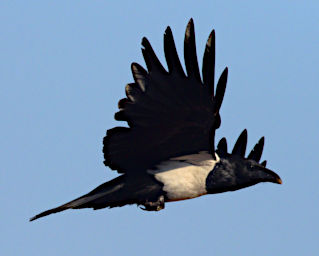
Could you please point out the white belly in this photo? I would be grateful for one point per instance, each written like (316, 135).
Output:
(185, 177)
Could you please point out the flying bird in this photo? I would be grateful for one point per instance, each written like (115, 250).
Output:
(167, 153)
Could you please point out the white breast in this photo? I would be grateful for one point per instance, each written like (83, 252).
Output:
(185, 177)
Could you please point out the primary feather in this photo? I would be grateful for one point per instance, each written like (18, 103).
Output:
(169, 114)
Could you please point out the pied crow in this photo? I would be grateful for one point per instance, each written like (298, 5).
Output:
(167, 152)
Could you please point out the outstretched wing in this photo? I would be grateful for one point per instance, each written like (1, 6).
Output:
(169, 113)
(240, 148)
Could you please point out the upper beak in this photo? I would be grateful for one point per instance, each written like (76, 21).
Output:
(275, 178)
(279, 181)
(272, 176)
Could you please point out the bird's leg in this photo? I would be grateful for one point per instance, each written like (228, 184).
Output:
(154, 205)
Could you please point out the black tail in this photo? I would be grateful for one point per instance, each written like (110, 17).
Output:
(109, 194)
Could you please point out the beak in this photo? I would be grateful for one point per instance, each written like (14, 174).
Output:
(279, 181)
(275, 177)
(272, 176)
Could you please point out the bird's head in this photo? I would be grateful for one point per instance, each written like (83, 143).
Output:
(234, 171)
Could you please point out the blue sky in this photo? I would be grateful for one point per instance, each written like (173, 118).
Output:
(63, 68)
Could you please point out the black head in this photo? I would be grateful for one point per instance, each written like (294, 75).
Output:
(234, 171)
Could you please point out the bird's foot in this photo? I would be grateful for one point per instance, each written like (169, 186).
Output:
(154, 206)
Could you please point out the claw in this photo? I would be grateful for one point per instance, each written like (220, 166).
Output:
(154, 206)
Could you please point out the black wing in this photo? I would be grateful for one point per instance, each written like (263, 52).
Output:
(240, 148)
(169, 114)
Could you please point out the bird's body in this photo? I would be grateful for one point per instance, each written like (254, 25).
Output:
(184, 177)
(167, 153)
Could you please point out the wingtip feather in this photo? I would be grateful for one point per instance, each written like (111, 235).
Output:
(222, 145)
(257, 151)
(241, 144)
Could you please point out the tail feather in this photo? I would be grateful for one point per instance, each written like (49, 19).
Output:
(54, 210)
(103, 196)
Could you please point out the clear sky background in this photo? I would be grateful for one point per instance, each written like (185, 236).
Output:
(63, 68)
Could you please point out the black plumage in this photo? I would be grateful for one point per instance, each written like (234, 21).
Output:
(167, 152)
(167, 112)
(235, 171)
(240, 148)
